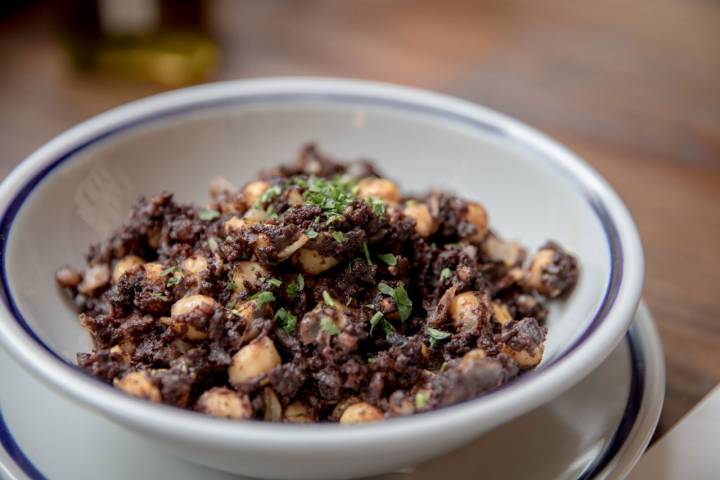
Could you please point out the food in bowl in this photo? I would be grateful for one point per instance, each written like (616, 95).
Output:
(316, 293)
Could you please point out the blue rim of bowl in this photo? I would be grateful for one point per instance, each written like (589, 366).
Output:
(272, 99)
(636, 397)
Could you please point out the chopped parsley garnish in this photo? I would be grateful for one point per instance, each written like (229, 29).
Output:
(311, 234)
(268, 195)
(161, 296)
(388, 258)
(329, 326)
(209, 215)
(436, 335)
(296, 287)
(231, 285)
(421, 399)
(176, 275)
(329, 301)
(367, 253)
(262, 298)
(375, 320)
(286, 320)
(231, 304)
(271, 212)
(275, 282)
(170, 270)
(339, 237)
(333, 196)
(445, 273)
(377, 205)
(402, 301)
(372, 359)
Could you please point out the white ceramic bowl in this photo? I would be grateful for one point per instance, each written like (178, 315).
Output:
(72, 191)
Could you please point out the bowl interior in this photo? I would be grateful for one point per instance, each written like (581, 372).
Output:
(89, 193)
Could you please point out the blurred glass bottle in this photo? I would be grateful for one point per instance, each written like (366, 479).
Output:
(163, 41)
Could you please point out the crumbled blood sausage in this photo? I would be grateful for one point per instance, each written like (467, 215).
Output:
(374, 324)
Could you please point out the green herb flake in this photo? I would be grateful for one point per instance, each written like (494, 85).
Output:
(294, 288)
(377, 205)
(375, 320)
(421, 399)
(402, 301)
(388, 327)
(333, 196)
(209, 215)
(161, 296)
(329, 301)
(372, 360)
(262, 298)
(231, 285)
(170, 270)
(367, 254)
(339, 237)
(268, 195)
(386, 289)
(174, 280)
(286, 320)
(329, 326)
(311, 234)
(275, 282)
(388, 258)
(436, 335)
(445, 273)
(231, 304)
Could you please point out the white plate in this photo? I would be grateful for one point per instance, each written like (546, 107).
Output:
(598, 429)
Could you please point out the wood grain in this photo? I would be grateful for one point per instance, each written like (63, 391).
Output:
(633, 87)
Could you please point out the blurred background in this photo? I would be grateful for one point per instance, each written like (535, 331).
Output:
(633, 87)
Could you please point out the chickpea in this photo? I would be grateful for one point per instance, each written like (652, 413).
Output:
(195, 265)
(139, 385)
(154, 272)
(526, 343)
(298, 412)
(96, 277)
(234, 225)
(253, 360)
(477, 216)
(120, 352)
(250, 273)
(255, 215)
(510, 253)
(475, 354)
(221, 185)
(553, 271)
(361, 412)
(225, 403)
(246, 311)
(253, 191)
(201, 304)
(469, 309)
(312, 262)
(293, 247)
(272, 406)
(542, 260)
(501, 314)
(525, 359)
(126, 264)
(68, 277)
(294, 198)
(381, 188)
(425, 224)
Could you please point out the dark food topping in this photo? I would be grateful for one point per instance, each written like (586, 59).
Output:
(316, 293)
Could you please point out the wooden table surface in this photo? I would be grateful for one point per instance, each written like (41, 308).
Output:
(633, 87)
